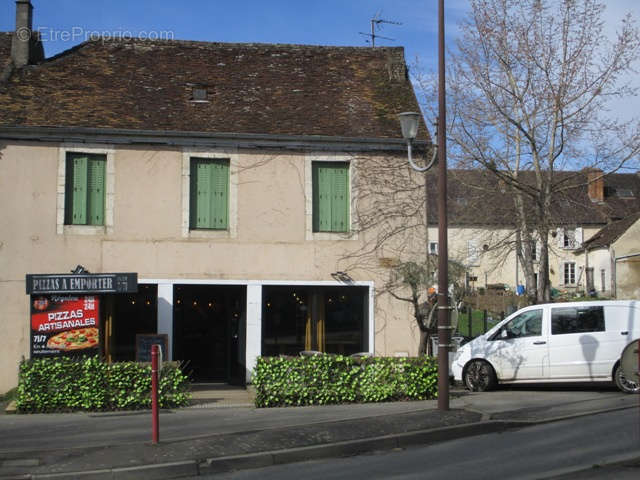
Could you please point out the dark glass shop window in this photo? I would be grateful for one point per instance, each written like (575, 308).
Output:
(285, 321)
(325, 319)
(133, 313)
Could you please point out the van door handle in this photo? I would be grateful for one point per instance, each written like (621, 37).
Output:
(624, 333)
(539, 342)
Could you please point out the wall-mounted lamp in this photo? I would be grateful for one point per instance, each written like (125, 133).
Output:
(409, 122)
(342, 277)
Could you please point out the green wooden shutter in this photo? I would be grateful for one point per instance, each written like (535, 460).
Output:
(315, 193)
(193, 194)
(209, 195)
(340, 198)
(219, 170)
(330, 183)
(95, 190)
(322, 197)
(203, 185)
(79, 165)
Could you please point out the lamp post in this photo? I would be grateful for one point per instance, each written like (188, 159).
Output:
(409, 125)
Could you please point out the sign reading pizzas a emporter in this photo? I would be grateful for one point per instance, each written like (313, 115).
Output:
(95, 283)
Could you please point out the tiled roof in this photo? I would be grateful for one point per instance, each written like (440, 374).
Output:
(250, 88)
(610, 233)
(476, 197)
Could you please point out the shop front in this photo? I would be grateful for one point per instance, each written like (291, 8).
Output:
(217, 329)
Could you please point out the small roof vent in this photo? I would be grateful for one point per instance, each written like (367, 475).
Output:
(199, 95)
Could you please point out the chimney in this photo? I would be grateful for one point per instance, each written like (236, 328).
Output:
(26, 46)
(595, 187)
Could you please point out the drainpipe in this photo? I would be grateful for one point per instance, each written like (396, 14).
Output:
(614, 293)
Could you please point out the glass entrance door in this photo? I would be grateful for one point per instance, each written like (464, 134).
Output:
(208, 329)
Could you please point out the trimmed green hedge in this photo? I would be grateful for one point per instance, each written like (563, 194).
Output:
(87, 383)
(331, 379)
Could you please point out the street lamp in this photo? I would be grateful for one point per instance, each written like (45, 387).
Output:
(409, 124)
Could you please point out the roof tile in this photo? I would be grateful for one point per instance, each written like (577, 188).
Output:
(251, 88)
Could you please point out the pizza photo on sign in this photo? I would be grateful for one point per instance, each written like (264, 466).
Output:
(77, 339)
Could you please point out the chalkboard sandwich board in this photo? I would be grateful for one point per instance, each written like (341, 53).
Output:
(144, 342)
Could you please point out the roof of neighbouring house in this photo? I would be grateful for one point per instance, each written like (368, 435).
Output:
(477, 197)
(214, 87)
(610, 233)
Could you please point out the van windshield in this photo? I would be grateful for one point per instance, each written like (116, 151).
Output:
(527, 324)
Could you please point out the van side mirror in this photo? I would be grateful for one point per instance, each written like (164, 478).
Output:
(504, 333)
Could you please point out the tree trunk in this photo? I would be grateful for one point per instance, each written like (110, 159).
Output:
(544, 284)
(425, 344)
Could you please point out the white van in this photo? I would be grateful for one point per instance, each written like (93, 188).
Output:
(555, 342)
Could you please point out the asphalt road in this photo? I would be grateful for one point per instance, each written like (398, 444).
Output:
(534, 452)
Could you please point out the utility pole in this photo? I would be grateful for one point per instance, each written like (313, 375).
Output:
(444, 324)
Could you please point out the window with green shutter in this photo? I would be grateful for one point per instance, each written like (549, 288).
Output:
(330, 196)
(85, 189)
(209, 194)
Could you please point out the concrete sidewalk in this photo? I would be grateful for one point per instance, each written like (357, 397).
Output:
(201, 440)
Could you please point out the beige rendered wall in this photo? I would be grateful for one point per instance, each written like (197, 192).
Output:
(270, 241)
(628, 269)
(601, 260)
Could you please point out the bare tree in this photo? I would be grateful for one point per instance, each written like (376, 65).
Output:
(527, 95)
(417, 279)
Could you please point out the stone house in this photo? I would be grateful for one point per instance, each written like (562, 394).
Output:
(224, 175)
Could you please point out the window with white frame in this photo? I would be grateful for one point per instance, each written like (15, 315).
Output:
(85, 193)
(209, 193)
(569, 238)
(331, 199)
(569, 273)
(433, 248)
(329, 196)
(85, 189)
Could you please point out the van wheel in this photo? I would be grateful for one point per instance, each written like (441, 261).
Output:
(627, 386)
(479, 376)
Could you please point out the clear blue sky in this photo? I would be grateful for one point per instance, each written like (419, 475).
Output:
(329, 22)
(326, 22)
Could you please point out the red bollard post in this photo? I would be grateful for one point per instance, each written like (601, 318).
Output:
(154, 394)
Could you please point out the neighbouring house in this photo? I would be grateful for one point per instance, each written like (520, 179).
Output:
(614, 254)
(594, 212)
(208, 193)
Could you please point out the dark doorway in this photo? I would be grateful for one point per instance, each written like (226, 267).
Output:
(126, 316)
(208, 331)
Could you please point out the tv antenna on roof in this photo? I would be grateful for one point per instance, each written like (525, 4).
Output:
(376, 22)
